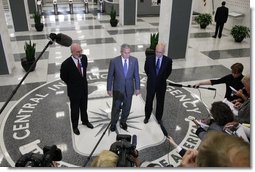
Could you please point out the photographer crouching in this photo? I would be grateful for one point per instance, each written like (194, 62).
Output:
(50, 155)
(122, 153)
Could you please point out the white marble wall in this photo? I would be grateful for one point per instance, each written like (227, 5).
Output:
(121, 12)
(164, 22)
(5, 39)
(27, 14)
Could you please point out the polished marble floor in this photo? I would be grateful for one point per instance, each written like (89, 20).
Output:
(38, 114)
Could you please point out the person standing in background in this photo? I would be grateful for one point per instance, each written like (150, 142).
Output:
(122, 81)
(220, 18)
(73, 73)
(157, 68)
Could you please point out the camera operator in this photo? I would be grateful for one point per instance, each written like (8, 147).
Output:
(119, 154)
(124, 149)
(109, 159)
(105, 159)
(51, 154)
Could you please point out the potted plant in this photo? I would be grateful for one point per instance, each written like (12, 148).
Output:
(204, 20)
(153, 43)
(37, 19)
(113, 19)
(27, 61)
(240, 32)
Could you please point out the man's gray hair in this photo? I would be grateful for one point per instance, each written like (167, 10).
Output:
(124, 46)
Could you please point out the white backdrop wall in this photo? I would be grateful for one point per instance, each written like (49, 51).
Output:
(238, 6)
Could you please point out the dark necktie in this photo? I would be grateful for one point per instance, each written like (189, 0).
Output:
(79, 66)
(125, 68)
(157, 66)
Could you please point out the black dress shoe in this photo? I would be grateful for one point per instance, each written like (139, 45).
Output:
(214, 36)
(145, 120)
(88, 124)
(113, 127)
(123, 125)
(76, 131)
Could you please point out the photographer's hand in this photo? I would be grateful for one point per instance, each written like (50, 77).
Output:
(189, 159)
(237, 105)
(171, 141)
(136, 161)
(54, 164)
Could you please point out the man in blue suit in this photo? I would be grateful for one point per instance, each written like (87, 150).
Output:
(122, 82)
(157, 69)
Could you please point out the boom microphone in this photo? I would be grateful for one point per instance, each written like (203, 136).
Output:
(61, 39)
(164, 130)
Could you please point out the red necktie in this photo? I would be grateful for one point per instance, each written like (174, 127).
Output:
(79, 66)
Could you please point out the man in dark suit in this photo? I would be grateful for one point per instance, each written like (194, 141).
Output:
(122, 82)
(220, 18)
(73, 73)
(157, 68)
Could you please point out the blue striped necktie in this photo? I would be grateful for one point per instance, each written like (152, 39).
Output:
(125, 68)
(157, 66)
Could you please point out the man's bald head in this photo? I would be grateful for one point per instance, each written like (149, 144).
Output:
(76, 50)
(160, 49)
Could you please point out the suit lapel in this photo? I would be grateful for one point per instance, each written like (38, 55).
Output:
(120, 65)
(75, 67)
(130, 63)
(84, 65)
(72, 63)
(154, 64)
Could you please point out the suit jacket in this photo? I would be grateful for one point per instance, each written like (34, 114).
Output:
(77, 84)
(153, 80)
(116, 80)
(221, 15)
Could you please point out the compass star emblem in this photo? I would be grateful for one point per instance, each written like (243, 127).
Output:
(103, 118)
(99, 113)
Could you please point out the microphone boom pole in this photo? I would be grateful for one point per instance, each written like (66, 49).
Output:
(24, 77)
(189, 86)
(61, 39)
(88, 159)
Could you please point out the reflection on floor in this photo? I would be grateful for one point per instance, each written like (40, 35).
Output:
(38, 114)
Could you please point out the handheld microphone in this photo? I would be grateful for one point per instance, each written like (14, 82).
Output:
(209, 88)
(175, 85)
(189, 86)
(164, 130)
(61, 39)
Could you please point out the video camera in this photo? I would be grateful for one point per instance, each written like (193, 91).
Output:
(124, 149)
(50, 153)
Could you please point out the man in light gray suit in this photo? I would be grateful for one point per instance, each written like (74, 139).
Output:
(122, 82)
